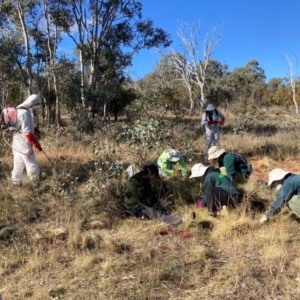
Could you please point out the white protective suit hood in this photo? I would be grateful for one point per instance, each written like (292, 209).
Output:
(32, 101)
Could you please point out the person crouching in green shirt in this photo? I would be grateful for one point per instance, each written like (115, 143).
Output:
(236, 168)
(219, 191)
(167, 161)
(140, 199)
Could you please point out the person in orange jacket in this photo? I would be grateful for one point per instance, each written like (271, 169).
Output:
(24, 139)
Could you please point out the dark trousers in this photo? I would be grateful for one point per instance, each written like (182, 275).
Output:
(151, 213)
(217, 197)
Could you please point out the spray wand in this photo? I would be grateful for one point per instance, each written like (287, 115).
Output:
(47, 157)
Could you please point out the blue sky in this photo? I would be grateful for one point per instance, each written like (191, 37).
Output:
(265, 30)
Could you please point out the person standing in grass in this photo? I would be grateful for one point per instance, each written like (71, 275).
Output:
(140, 199)
(212, 118)
(219, 191)
(168, 160)
(24, 139)
(235, 166)
(288, 185)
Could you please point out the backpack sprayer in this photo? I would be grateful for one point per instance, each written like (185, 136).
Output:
(10, 116)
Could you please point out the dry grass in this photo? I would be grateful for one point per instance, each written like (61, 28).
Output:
(68, 239)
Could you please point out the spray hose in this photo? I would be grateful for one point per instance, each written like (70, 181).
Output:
(5, 140)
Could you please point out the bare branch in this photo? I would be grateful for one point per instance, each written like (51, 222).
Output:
(291, 67)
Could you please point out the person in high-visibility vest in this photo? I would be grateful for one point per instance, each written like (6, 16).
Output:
(167, 161)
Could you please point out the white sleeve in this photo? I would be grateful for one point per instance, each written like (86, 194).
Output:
(204, 119)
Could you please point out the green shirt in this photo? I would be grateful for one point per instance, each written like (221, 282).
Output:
(232, 164)
(138, 191)
(213, 177)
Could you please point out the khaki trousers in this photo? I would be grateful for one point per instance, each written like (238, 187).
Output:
(294, 205)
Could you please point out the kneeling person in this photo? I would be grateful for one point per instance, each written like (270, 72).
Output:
(218, 189)
(140, 199)
(288, 185)
(167, 161)
(236, 167)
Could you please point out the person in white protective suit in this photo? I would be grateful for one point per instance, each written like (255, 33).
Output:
(23, 141)
(212, 118)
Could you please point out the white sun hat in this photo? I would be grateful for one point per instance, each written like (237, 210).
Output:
(277, 174)
(215, 152)
(174, 155)
(210, 107)
(198, 170)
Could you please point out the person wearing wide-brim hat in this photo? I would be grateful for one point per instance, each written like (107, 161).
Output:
(288, 185)
(232, 165)
(167, 161)
(212, 118)
(218, 189)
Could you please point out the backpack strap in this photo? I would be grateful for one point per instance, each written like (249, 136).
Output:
(22, 107)
(216, 112)
(241, 158)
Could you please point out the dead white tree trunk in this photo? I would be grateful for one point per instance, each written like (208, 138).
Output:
(198, 60)
(181, 68)
(291, 67)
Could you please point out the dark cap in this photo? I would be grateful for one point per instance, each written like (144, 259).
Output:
(153, 169)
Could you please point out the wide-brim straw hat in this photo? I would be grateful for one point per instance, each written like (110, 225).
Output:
(215, 152)
(198, 170)
(277, 174)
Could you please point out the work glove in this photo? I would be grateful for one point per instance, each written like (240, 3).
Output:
(263, 219)
(212, 122)
(33, 140)
(221, 122)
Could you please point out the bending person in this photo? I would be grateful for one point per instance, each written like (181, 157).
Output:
(212, 118)
(168, 160)
(288, 185)
(23, 140)
(140, 199)
(219, 191)
(236, 167)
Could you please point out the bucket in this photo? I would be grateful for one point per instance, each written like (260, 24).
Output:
(10, 115)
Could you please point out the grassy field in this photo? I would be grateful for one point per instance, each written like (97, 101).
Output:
(68, 238)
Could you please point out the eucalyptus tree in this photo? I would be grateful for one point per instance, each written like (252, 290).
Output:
(217, 89)
(273, 85)
(9, 74)
(282, 96)
(183, 68)
(114, 25)
(18, 18)
(291, 72)
(248, 83)
(197, 58)
(163, 83)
